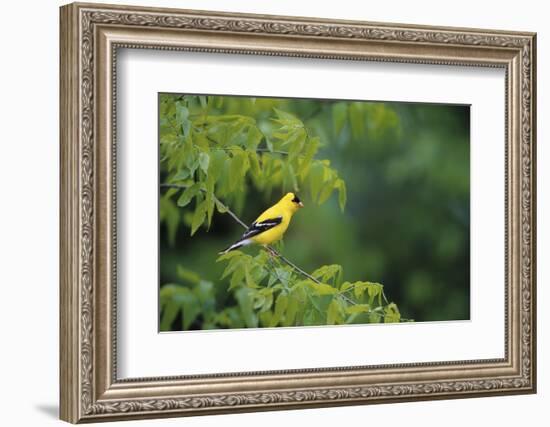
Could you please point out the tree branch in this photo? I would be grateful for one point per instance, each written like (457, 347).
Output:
(303, 273)
(272, 249)
(258, 150)
(229, 211)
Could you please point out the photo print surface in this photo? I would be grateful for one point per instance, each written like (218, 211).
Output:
(283, 212)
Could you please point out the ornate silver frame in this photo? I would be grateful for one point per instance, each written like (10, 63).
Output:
(90, 36)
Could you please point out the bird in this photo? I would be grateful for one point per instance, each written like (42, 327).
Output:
(271, 225)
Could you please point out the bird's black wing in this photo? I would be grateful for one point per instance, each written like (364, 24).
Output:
(259, 227)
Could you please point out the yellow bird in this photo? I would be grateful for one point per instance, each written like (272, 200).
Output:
(271, 224)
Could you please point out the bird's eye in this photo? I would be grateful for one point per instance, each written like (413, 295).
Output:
(296, 199)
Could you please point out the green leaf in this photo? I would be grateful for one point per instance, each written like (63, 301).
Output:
(345, 286)
(310, 318)
(286, 117)
(316, 176)
(258, 301)
(201, 141)
(230, 318)
(199, 216)
(245, 304)
(284, 276)
(248, 278)
(188, 195)
(220, 206)
(166, 293)
(254, 164)
(170, 214)
(325, 193)
(228, 255)
(281, 304)
(216, 164)
(359, 289)
(175, 298)
(182, 118)
(178, 154)
(168, 315)
(289, 178)
(296, 143)
(321, 288)
(312, 145)
(375, 290)
(291, 311)
(233, 265)
(264, 299)
(238, 276)
(391, 314)
(218, 101)
(272, 279)
(171, 191)
(181, 175)
(342, 193)
(253, 138)
(209, 199)
(265, 318)
(187, 275)
(236, 169)
(190, 307)
(204, 291)
(203, 102)
(358, 308)
(334, 313)
(204, 160)
(269, 144)
(328, 272)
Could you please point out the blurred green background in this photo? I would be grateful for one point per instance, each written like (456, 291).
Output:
(407, 220)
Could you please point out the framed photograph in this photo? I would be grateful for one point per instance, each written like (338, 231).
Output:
(266, 212)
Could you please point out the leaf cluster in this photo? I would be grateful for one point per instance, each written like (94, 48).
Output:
(271, 293)
(268, 293)
(209, 154)
(206, 154)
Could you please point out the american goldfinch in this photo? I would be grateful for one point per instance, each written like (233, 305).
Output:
(271, 224)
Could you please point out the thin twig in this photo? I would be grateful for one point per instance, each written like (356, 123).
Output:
(306, 275)
(258, 150)
(273, 270)
(269, 248)
(302, 272)
(233, 215)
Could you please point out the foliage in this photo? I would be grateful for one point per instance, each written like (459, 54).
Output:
(282, 297)
(270, 293)
(212, 158)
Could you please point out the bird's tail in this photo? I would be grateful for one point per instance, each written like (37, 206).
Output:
(235, 245)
